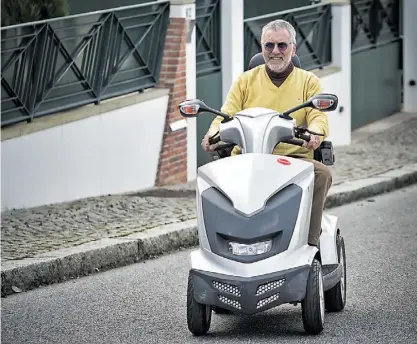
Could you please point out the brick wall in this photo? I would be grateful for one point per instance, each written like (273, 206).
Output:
(173, 157)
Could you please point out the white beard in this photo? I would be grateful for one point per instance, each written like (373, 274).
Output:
(277, 65)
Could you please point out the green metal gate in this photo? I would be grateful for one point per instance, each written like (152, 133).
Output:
(376, 60)
(209, 71)
(255, 8)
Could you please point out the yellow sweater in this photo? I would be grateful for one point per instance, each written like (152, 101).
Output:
(254, 89)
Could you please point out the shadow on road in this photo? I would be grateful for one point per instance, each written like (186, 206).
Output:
(274, 324)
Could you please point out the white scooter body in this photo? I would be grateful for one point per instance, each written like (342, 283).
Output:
(249, 181)
(250, 198)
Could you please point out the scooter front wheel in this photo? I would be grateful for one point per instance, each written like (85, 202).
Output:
(312, 305)
(198, 315)
(335, 298)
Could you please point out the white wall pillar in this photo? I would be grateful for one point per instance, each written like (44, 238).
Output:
(410, 55)
(342, 55)
(339, 82)
(186, 9)
(341, 33)
(191, 93)
(232, 42)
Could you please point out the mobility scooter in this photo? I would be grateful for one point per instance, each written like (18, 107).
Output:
(253, 215)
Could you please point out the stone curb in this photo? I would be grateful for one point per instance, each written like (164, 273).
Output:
(83, 260)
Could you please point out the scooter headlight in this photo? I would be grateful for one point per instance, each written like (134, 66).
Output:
(250, 249)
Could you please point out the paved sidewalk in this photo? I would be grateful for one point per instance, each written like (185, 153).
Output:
(25, 233)
(375, 149)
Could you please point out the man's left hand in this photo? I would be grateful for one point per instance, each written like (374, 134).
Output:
(314, 142)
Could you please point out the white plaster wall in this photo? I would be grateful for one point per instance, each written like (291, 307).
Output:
(339, 122)
(410, 55)
(110, 153)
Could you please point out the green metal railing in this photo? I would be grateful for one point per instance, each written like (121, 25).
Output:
(58, 64)
(208, 40)
(374, 23)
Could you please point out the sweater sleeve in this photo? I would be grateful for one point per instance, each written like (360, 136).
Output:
(234, 103)
(316, 120)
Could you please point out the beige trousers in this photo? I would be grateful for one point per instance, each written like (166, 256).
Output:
(322, 184)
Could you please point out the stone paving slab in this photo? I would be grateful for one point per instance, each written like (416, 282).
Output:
(375, 154)
(30, 232)
(26, 233)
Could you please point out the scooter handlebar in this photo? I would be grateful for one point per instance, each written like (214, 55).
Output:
(294, 142)
(224, 146)
(299, 133)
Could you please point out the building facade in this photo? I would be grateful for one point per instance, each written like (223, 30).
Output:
(90, 101)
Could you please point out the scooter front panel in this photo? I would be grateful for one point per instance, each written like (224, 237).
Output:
(276, 222)
(250, 295)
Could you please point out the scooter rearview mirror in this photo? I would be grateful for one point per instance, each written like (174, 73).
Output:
(192, 108)
(324, 102)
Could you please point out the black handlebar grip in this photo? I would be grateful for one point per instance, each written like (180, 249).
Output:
(214, 140)
(225, 146)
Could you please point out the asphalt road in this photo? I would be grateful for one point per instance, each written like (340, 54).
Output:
(145, 303)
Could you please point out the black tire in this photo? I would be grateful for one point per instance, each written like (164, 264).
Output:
(312, 306)
(335, 298)
(198, 315)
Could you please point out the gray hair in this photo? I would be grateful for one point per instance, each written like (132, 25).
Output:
(280, 24)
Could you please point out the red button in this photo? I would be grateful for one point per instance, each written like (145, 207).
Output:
(284, 161)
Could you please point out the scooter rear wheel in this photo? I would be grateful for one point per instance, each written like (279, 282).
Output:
(198, 315)
(312, 305)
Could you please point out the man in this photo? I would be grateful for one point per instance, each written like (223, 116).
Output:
(279, 85)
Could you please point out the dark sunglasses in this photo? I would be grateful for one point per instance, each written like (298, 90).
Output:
(282, 46)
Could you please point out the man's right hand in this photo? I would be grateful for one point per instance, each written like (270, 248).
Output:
(206, 145)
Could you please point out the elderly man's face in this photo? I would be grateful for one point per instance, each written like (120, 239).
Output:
(277, 49)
